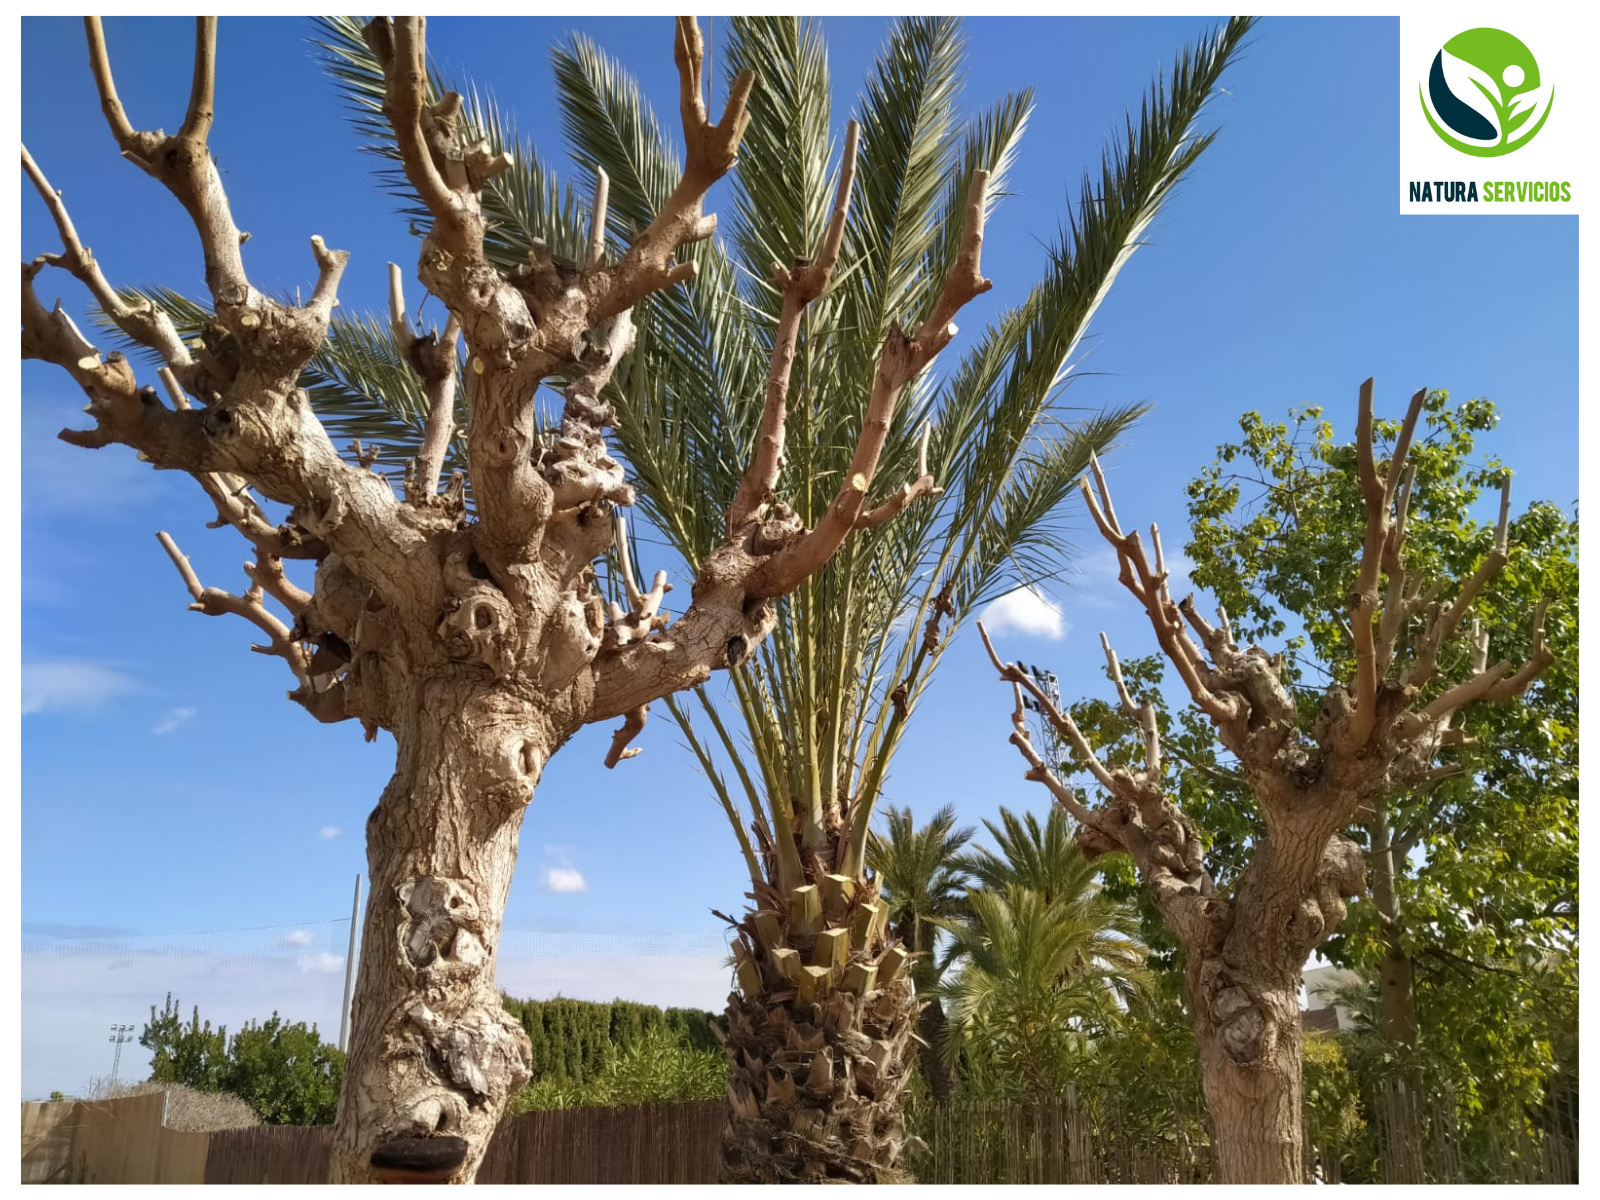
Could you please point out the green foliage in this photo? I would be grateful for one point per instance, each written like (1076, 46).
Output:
(1146, 1070)
(1487, 857)
(1042, 961)
(575, 1042)
(1037, 985)
(192, 1054)
(1045, 860)
(922, 879)
(656, 1068)
(586, 1053)
(1335, 1121)
(284, 1071)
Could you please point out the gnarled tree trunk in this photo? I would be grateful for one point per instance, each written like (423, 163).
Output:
(479, 639)
(1247, 1024)
(1373, 734)
(434, 1054)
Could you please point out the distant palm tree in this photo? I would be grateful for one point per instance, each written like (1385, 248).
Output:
(923, 882)
(1046, 959)
(1045, 860)
(1036, 981)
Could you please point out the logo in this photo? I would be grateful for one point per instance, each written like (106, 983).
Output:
(1484, 96)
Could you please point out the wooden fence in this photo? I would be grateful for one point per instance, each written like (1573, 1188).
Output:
(108, 1141)
(1395, 1138)
(648, 1143)
(1057, 1141)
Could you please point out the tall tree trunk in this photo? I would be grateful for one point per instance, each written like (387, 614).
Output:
(1397, 997)
(1242, 981)
(942, 1078)
(434, 1057)
(1397, 1012)
(819, 1044)
(1248, 1028)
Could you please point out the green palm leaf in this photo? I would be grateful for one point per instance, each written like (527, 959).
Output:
(847, 662)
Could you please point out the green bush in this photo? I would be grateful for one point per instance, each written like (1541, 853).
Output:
(285, 1072)
(587, 1053)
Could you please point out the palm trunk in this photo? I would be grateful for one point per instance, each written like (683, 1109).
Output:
(931, 1028)
(819, 1043)
(434, 1058)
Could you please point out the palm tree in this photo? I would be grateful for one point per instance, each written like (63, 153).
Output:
(1048, 860)
(820, 1027)
(1049, 863)
(922, 882)
(1039, 978)
(1047, 961)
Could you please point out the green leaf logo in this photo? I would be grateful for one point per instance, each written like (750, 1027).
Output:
(1484, 95)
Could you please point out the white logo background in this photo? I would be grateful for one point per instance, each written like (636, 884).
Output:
(1563, 150)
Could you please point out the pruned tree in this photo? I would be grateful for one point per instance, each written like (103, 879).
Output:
(477, 637)
(1472, 875)
(1313, 770)
(984, 451)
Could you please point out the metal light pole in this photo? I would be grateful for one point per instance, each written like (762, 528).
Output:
(350, 969)
(120, 1036)
(1051, 686)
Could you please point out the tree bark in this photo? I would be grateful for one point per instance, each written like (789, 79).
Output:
(1248, 1028)
(1397, 1011)
(434, 1055)
(1397, 998)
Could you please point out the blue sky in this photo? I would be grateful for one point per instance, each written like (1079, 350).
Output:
(168, 787)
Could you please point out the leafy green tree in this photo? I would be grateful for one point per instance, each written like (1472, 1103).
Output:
(1473, 872)
(922, 882)
(191, 1054)
(284, 1071)
(752, 356)
(1254, 869)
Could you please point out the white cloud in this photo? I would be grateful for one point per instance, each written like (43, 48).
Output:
(175, 718)
(299, 937)
(329, 831)
(1026, 611)
(564, 879)
(320, 963)
(71, 685)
